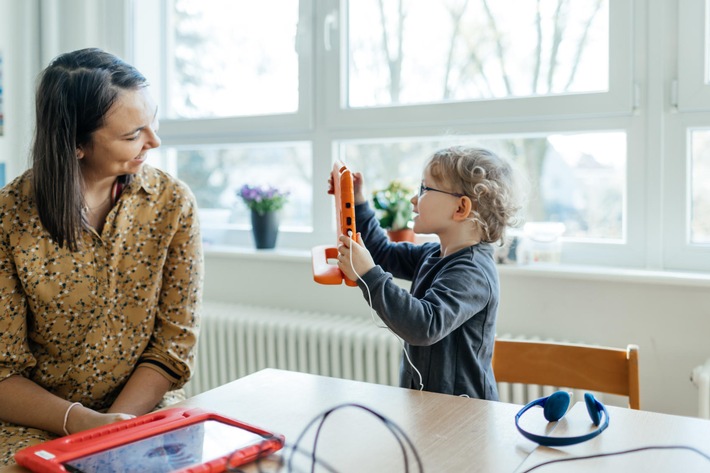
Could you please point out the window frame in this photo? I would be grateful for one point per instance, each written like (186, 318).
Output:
(656, 184)
(620, 100)
(230, 129)
(693, 92)
(679, 252)
(614, 109)
(690, 110)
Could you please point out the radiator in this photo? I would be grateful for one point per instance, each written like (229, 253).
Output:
(237, 340)
(701, 378)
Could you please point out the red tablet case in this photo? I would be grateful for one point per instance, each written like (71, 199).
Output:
(323, 271)
(51, 456)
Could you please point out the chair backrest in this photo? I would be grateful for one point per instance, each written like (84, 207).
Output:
(569, 365)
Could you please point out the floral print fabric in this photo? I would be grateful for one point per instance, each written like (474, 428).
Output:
(79, 323)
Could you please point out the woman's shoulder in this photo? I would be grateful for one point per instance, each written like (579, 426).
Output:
(17, 203)
(17, 191)
(157, 181)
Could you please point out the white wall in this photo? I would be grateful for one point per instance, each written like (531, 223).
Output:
(32, 32)
(19, 45)
(67, 25)
(667, 315)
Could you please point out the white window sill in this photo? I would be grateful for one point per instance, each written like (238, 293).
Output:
(609, 274)
(538, 270)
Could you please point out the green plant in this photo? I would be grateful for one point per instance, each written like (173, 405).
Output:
(393, 206)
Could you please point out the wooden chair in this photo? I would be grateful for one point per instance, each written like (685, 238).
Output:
(568, 365)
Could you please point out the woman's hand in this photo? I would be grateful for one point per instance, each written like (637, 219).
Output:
(353, 258)
(24, 402)
(82, 418)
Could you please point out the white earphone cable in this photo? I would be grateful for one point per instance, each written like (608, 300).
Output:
(374, 319)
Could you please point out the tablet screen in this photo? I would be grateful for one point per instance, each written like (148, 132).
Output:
(163, 453)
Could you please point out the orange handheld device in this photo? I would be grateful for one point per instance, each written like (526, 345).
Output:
(323, 271)
(169, 441)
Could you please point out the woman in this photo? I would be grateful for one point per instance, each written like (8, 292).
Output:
(100, 261)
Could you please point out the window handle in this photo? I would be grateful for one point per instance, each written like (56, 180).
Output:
(330, 23)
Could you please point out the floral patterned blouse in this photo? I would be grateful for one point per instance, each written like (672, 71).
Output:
(79, 323)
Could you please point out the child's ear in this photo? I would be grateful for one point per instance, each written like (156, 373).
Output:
(464, 208)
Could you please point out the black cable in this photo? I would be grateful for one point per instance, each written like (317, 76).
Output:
(379, 416)
(315, 439)
(621, 452)
(391, 426)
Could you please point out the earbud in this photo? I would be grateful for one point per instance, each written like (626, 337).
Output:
(554, 408)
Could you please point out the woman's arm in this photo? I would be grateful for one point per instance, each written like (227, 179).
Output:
(26, 403)
(143, 391)
(171, 350)
(23, 401)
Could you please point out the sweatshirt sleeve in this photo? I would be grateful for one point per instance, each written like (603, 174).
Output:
(399, 259)
(458, 291)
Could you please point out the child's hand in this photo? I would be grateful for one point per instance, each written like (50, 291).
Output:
(331, 186)
(357, 187)
(353, 257)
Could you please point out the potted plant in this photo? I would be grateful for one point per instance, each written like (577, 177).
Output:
(394, 210)
(264, 203)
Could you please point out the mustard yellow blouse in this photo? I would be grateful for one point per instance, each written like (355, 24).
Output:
(79, 323)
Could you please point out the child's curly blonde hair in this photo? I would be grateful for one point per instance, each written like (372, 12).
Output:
(488, 180)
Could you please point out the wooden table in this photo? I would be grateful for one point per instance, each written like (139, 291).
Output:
(451, 434)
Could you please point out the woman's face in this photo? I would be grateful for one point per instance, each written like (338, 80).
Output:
(121, 145)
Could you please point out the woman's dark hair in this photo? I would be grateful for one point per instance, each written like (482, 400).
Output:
(74, 94)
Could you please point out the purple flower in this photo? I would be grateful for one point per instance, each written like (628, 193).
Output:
(263, 199)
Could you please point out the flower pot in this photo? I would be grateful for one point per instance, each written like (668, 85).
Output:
(405, 234)
(265, 228)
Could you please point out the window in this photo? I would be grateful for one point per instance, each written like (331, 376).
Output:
(406, 52)
(215, 174)
(687, 157)
(225, 69)
(561, 88)
(227, 63)
(231, 78)
(414, 63)
(699, 197)
(576, 179)
(694, 64)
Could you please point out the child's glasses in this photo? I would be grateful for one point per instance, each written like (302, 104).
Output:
(423, 189)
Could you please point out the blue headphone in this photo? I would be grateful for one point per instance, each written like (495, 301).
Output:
(554, 408)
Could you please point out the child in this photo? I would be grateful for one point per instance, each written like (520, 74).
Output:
(448, 319)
